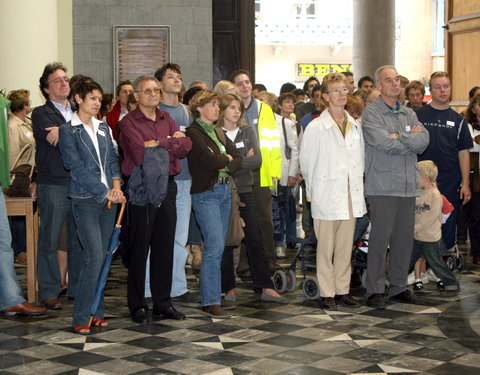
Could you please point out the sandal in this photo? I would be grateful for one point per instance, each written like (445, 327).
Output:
(99, 322)
(63, 291)
(82, 330)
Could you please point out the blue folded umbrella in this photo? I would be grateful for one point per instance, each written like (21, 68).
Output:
(102, 279)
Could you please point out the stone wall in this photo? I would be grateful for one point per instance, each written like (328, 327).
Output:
(191, 34)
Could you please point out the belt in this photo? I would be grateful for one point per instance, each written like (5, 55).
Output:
(223, 180)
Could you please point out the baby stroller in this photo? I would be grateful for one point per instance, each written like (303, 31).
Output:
(286, 281)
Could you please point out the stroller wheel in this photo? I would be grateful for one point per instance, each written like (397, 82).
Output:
(451, 263)
(291, 281)
(280, 281)
(460, 262)
(310, 288)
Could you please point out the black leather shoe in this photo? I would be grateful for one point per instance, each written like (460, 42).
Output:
(347, 301)
(377, 301)
(406, 297)
(329, 303)
(188, 297)
(140, 316)
(169, 313)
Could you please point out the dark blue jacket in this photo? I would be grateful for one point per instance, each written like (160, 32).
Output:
(80, 158)
(148, 182)
(48, 160)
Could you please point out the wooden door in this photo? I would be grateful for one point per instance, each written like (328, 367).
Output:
(233, 37)
(463, 48)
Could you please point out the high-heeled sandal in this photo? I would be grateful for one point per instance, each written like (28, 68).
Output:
(99, 322)
(82, 330)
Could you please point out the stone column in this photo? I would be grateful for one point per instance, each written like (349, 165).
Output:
(373, 35)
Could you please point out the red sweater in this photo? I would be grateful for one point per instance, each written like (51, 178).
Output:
(136, 128)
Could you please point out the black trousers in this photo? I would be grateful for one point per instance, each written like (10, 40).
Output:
(257, 259)
(151, 228)
(263, 204)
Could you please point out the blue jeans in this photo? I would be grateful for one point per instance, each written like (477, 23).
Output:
(55, 207)
(94, 224)
(431, 252)
(180, 253)
(194, 234)
(212, 210)
(18, 230)
(10, 292)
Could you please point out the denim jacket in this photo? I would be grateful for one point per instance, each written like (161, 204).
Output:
(80, 158)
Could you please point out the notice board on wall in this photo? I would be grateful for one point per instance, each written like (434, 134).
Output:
(139, 50)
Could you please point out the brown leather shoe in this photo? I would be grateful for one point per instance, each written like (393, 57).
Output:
(52, 303)
(24, 308)
(215, 311)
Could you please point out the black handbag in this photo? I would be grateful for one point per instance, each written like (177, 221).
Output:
(21, 176)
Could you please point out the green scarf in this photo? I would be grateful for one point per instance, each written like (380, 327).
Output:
(210, 129)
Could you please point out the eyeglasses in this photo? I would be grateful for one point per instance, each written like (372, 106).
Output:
(438, 87)
(150, 91)
(338, 91)
(60, 80)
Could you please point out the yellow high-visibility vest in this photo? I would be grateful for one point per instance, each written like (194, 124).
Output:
(269, 139)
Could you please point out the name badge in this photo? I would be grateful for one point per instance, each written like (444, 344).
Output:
(28, 134)
(255, 121)
(239, 145)
(407, 128)
(100, 132)
(450, 123)
(183, 128)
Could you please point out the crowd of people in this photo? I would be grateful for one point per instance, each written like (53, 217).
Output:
(180, 158)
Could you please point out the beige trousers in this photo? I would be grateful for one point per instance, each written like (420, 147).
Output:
(334, 253)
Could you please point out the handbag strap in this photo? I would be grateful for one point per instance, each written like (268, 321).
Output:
(28, 147)
(187, 113)
(288, 150)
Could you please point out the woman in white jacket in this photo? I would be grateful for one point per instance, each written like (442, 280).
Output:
(332, 164)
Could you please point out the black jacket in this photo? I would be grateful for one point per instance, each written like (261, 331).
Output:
(50, 169)
(205, 159)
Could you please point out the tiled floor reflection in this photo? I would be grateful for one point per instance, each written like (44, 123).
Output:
(441, 337)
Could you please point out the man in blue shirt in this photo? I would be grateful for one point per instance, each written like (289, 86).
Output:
(450, 141)
(170, 78)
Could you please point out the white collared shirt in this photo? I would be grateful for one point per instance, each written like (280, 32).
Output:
(92, 133)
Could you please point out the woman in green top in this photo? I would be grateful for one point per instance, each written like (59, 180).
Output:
(209, 163)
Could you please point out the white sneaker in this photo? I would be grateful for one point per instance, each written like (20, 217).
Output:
(431, 276)
(280, 252)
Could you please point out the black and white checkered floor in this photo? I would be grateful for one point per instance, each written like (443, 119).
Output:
(441, 337)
